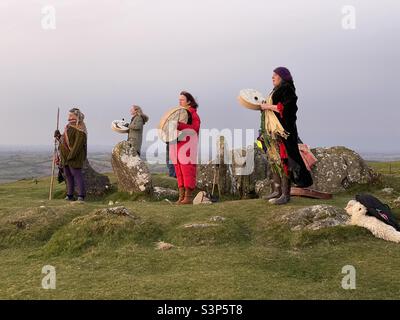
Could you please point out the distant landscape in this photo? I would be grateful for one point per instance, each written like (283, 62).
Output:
(17, 163)
(32, 164)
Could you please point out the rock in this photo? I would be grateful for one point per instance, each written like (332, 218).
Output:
(201, 198)
(217, 219)
(263, 187)
(397, 202)
(339, 168)
(110, 203)
(235, 178)
(162, 193)
(119, 211)
(107, 220)
(132, 172)
(164, 246)
(199, 225)
(245, 185)
(223, 178)
(315, 217)
(96, 184)
(388, 191)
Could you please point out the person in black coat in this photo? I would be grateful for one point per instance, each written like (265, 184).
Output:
(284, 104)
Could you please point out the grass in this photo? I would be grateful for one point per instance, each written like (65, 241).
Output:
(248, 256)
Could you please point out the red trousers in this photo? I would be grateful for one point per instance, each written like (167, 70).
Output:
(186, 175)
(184, 160)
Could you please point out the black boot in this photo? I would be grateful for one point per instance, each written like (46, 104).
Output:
(285, 197)
(275, 187)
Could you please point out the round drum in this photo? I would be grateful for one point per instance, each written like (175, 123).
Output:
(168, 126)
(251, 99)
(120, 126)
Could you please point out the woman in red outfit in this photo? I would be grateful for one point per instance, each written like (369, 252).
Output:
(183, 153)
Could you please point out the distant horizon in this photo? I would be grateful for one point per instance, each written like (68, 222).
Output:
(103, 148)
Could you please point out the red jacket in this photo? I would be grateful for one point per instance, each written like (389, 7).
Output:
(190, 139)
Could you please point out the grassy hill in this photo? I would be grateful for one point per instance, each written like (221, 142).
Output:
(248, 256)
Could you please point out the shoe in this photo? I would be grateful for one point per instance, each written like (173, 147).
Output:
(275, 187)
(285, 197)
(69, 198)
(81, 199)
(181, 195)
(188, 196)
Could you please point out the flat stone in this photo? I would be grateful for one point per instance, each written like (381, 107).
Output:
(162, 193)
(199, 225)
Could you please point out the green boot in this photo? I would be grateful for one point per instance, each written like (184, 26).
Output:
(285, 197)
(275, 187)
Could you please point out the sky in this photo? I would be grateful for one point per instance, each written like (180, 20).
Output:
(105, 55)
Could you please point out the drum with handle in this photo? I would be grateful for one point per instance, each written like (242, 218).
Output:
(168, 126)
(120, 126)
(251, 99)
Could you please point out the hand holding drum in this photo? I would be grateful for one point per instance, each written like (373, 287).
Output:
(168, 126)
(120, 126)
(251, 99)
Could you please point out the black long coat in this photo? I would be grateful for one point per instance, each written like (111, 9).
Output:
(286, 94)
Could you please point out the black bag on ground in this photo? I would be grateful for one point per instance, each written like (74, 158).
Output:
(378, 209)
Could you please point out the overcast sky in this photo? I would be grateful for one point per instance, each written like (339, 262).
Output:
(105, 55)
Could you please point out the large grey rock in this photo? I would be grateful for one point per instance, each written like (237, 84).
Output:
(315, 217)
(96, 184)
(339, 168)
(132, 173)
(336, 170)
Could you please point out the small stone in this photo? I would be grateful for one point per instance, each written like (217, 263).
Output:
(110, 203)
(201, 198)
(164, 245)
(217, 219)
(388, 190)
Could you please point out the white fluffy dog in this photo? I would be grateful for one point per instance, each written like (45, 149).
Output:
(378, 228)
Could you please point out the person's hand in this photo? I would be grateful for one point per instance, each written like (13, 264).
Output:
(57, 134)
(265, 106)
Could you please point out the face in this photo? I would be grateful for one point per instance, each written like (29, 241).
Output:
(72, 118)
(276, 79)
(183, 101)
(133, 111)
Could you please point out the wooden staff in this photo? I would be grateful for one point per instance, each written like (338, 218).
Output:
(54, 158)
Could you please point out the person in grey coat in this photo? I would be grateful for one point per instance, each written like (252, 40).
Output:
(135, 134)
